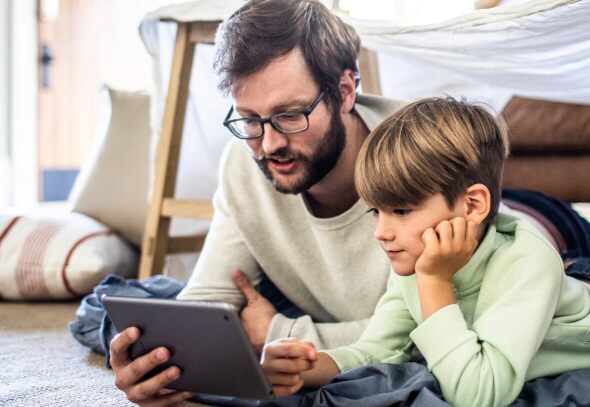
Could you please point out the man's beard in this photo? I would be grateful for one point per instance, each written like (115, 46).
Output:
(316, 166)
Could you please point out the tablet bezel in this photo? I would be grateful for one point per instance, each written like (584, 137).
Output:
(207, 334)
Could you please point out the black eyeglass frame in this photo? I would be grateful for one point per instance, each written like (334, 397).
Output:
(263, 120)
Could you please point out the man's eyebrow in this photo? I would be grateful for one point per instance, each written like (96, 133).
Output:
(293, 104)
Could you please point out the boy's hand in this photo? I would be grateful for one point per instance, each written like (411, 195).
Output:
(448, 247)
(284, 360)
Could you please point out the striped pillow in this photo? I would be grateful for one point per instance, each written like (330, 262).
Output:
(58, 257)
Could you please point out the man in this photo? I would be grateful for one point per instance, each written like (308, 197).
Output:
(290, 66)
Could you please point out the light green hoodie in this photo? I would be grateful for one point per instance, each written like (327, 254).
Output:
(517, 317)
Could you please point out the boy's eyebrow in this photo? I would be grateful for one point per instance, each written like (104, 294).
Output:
(293, 104)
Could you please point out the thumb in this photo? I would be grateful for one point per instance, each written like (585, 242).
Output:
(242, 283)
(429, 238)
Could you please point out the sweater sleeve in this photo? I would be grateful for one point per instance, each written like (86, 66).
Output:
(386, 338)
(485, 364)
(223, 252)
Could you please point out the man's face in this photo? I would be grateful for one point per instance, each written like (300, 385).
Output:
(293, 163)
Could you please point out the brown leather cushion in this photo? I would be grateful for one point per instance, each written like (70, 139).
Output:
(565, 177)
(540, 126)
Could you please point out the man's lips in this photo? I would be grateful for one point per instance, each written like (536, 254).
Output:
(282, 164)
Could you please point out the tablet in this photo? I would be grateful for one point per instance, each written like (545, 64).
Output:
(206, 341)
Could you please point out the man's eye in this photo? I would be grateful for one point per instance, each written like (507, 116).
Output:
(402, 212)
(292, 116)
(373, 211)
(249, 121)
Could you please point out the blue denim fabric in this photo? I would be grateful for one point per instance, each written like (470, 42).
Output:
(94, 329)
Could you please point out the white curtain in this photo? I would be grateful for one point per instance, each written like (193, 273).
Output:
(539, 49)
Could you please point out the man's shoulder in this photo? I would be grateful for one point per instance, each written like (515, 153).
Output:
(373, 109)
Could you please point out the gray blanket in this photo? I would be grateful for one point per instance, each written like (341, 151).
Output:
(410, 384)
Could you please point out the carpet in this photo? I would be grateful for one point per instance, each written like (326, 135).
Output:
(41, 364)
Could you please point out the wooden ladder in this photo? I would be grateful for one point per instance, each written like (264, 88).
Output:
(157, 242)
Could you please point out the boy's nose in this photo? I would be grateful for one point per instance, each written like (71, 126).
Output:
(384, 231)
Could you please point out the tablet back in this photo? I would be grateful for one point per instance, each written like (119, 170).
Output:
(206, 339)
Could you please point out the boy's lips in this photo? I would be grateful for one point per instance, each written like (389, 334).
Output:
(392, 254)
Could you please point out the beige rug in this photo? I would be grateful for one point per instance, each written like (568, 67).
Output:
(41, 364)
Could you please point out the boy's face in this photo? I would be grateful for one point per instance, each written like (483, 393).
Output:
(399, 230)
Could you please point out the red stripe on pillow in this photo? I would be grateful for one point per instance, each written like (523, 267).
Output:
(29, 268)
(64, 277)
(5, 233)
(7, 229)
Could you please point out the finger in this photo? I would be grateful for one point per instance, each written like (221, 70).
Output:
(150, 388)
(289, 350)
(445, 235)
(242, 282)
(285, 365)
(430, 239)
(283, 379)
(135, 370)
(471, 234)
(459, 227)
(171, 398)
(119, 356)
(285, 390)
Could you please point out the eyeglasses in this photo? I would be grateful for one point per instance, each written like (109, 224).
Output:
(248, 128)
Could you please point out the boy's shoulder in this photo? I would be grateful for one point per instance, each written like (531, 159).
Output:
(517, 241)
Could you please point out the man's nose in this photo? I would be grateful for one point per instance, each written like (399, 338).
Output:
(272, 141)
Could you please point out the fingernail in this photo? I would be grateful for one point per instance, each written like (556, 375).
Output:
(161, 354)
(132, 334)
(173, 374)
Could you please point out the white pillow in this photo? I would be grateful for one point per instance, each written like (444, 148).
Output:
(113, 184)
(62, 256)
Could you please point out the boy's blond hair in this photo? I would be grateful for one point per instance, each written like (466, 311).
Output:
(436, 145)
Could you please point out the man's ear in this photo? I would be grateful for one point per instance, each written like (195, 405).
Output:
(347, 87)
(478, 200)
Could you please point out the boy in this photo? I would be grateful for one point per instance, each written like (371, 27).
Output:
(481, 294)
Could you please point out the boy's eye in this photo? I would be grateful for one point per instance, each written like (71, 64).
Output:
(402, 212)
(373, 211)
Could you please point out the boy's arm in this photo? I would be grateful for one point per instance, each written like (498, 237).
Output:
(448, 247)
(485, 362)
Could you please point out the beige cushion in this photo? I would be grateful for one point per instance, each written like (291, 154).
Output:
(62, 256)
(113, 184)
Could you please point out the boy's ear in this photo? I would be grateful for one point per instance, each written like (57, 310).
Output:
(478, 200)
(347, 87)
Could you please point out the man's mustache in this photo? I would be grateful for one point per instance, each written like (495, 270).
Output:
(282, 154)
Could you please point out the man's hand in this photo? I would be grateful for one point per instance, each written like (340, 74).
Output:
(284, 360)
(448, 247)
(150, 392)
(257, 314)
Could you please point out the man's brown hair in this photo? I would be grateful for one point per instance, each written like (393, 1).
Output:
(437, 145)
(263, 30)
